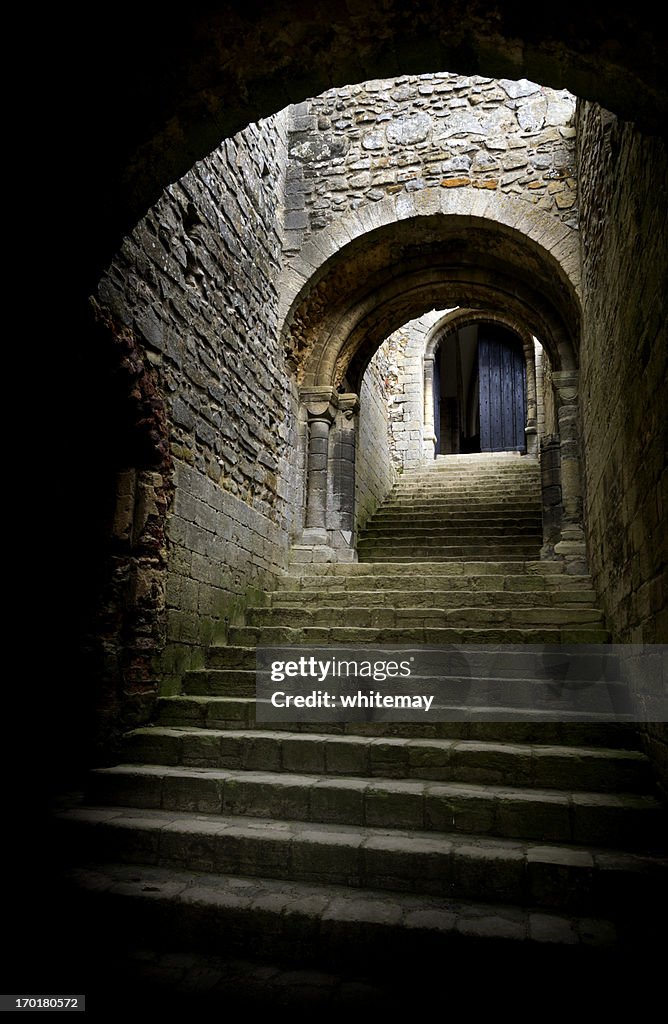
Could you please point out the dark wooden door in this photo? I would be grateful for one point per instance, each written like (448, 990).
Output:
(502, 391)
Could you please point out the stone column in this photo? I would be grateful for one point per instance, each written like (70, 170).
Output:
(550, 478)
(320, 408)
(429, 435)
(345, 444)
(530, 430)
(572, 544)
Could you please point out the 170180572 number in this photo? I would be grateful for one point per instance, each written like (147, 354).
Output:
(47, 1003)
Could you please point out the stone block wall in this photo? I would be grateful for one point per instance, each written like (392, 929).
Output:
(546, 410)
(624, 218)
(404, 351)
(196, 284)
(359, 144)
(375, 469)
(623, 370)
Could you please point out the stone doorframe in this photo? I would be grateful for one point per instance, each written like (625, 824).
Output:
(451, 322)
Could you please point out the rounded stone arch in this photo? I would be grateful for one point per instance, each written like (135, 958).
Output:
(458, 318)
(382, 265)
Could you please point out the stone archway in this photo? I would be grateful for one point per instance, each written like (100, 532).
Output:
(515, 260)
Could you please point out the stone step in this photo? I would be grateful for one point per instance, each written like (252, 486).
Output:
(272, 636)
(207, 705)
(530, 567)
(306, 925)
(358, 615)
(578, 880)
(458, 525)
(493, 659)
(464, 488)
(603, 819)
(432, 583)
(590, 769)
(460, 503)
(443, 537)
(387, 555)
(414, 599)
(448, 540)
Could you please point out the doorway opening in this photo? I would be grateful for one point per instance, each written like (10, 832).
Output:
(479, 391)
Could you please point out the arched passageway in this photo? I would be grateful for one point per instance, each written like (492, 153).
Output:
(370, 286)
(479, 391)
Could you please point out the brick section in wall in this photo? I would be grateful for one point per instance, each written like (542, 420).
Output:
(361, 143)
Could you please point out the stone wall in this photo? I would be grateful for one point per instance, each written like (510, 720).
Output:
(196, 284)
(623, 378)
(358, 144)
(546, 409)
(623, 370)
(404, 350)
(375, 469)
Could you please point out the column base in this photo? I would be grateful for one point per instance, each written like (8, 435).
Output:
(323, 546)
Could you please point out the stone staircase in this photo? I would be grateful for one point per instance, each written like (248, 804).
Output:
(385, 844)
(471, 507)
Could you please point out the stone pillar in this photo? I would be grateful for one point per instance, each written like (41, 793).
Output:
(429, 435)
(572, 544)
(550, 479)
(320, 410)
(344, 450)
(531, 429)
(328, 534)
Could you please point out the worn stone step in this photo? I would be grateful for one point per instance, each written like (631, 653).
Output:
(270, 636)
(359, 615)
(418, 537)
(490, 660)
(578, 880)
(459, 503)
(591, 769)
(456, 598)
(454, 522)
(478, 497)
(307, 925)
(604, 819)
(530, 567)
(215, 709)
(387, 555)
(431, 583)
(401, 544)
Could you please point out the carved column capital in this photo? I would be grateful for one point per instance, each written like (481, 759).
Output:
(566, 384)
(320, 403)
(348, 404)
